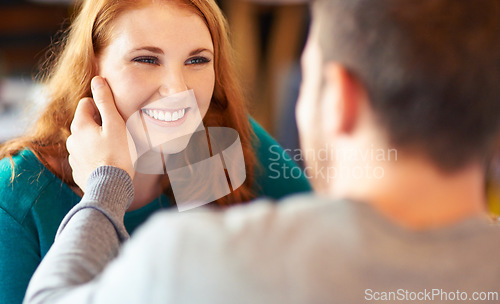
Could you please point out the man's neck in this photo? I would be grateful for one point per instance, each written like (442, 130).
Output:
(415, 194)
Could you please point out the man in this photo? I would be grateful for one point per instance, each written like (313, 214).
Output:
(416, 77)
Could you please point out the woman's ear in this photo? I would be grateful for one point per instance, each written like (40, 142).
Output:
(340, 102)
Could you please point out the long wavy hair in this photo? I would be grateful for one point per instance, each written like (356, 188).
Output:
(72, 64)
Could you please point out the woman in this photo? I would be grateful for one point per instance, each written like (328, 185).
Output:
(145, 50)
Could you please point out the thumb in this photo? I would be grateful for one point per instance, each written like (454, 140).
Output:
(84, 115)
(103, 98)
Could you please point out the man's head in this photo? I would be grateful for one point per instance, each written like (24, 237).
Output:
(429, 71)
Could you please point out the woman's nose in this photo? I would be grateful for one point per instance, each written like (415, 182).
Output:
(173, 82)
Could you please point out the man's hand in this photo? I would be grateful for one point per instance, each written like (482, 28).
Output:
(92, 145)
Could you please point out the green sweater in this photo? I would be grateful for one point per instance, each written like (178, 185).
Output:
(33, 206)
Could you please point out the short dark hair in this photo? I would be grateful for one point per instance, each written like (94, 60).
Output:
(431, 69)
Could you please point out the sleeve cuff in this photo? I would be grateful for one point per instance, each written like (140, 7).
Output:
(111, 186)
(110, 191)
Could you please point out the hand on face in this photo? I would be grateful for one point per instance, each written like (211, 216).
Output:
(92, 145)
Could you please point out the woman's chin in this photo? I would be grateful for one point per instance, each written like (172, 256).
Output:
(173, 146)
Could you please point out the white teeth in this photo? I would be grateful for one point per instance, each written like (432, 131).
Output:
(165, 115)
(168, 116)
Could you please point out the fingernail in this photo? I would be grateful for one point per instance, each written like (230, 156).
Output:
(97, 82)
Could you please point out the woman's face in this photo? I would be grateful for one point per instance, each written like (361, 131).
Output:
(155, 52)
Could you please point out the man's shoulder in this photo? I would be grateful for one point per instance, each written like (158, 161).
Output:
(246, 247)
(263, 222)
(305, 241)
(300, 224)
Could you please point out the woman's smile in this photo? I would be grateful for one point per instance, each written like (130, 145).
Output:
(166, 117)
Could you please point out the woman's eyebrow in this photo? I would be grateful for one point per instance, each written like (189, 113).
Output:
(157, 50)
(200, 50)
(152, 49)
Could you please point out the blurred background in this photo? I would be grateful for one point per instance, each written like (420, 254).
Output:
(268, 37)
(26, 31)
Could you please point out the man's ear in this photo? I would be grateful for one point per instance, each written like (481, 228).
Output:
(340, 102)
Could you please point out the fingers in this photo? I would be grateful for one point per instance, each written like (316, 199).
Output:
(70, 146)
(103, 98)
(84, 115)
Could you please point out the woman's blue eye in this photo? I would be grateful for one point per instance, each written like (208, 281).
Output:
(148, 60)
(198, 60)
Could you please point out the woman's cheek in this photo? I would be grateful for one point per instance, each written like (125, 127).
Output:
(121, 104)
(206, 102)
(128, 93)
(204, 91)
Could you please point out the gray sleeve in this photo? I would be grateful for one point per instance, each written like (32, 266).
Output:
(88, 238)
